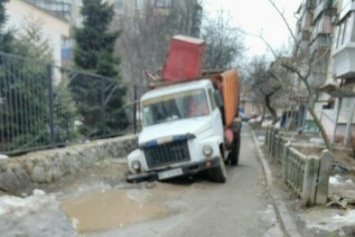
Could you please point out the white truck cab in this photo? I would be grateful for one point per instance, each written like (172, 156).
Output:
(182, 133)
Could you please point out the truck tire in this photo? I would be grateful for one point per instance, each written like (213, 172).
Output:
(219, 174)
(234, 155)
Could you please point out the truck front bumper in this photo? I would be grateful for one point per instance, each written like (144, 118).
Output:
(183, 170)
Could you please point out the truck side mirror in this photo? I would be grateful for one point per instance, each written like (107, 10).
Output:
(218, 98)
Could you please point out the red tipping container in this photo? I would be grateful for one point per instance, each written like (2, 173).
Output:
(184, 59)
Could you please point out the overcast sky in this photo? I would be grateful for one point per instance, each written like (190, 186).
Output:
(255, 16)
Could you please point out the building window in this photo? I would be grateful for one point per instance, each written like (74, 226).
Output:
(338, 37)
(162, 3)
(324, 40)
(345, 31)
(119, 4)
(139, 4)
(348, 29)
(353, 30)
(66, 42)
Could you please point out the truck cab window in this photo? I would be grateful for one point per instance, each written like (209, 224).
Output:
(181, 105)
(198, 105)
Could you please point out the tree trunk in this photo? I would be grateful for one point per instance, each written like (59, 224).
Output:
(320, 126)
(272, 110)
(263, 115)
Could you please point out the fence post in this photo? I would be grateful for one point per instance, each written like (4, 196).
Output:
(266, 142)
(280, 147)
(309, 186)
(270, 138)
(276, 144)
(274, 140)
(134, 109)
(285, 161)
(103, 112)
(51, 104)
(323, 177)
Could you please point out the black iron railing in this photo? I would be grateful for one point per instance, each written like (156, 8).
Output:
(44, 106)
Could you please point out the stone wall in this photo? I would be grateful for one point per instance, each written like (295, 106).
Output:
(47, 166)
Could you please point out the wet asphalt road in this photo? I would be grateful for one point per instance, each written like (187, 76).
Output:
(240, 207)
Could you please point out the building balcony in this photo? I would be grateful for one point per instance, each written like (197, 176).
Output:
(344, 61)
(321, 36)
(310, 4)
(303, 36)
(321, 7)
(61, 9)
(306, 20)
(344, 53)
(347, 7)
(304, 27)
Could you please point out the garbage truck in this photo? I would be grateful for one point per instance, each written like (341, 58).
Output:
(190, 121)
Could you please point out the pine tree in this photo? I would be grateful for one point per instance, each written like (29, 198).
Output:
(94, 52)
(24, 114)
(64, 113)
(6, 37)
(23, 84)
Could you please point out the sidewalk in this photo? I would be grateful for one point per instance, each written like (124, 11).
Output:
(294, 219)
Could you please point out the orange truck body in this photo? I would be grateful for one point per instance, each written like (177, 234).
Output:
(229, 83)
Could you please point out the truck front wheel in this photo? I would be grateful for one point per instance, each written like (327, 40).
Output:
(219, 174)
(234, 155)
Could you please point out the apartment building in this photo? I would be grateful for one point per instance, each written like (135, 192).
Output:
(315, 33)
(133, 7)
(60, 8)
(342, 119)
(68, 10)
(54, 28)
(326, 28)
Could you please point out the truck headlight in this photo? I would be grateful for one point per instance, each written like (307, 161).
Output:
(207, 150)
(136, 165)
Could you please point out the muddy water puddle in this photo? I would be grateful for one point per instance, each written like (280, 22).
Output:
(110, 208)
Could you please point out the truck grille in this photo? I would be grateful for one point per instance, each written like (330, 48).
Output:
(166, 154)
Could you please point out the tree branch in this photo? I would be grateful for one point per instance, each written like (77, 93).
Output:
(283, 18)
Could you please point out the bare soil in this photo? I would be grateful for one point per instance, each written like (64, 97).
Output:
(301, 214)
(343, 158)
(343, 168)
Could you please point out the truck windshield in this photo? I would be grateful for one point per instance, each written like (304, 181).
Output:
(187, 104)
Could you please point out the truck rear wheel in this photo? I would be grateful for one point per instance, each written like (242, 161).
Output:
(219, 174)
(234, 155)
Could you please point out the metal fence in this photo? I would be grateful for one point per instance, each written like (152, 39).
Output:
(44, 106)
(307, 176)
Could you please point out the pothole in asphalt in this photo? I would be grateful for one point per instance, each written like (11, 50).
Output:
(109, 208)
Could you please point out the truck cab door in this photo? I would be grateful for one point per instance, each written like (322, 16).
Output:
(217, 120)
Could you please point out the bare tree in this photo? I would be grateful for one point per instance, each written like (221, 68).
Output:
(308, 67)
(146, 34)
(269, 84)
(224, 43)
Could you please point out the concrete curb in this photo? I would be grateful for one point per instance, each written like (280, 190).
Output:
(287, 224)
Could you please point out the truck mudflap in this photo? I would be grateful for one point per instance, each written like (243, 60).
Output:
(187, 169)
